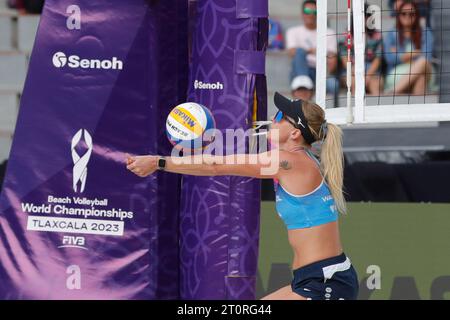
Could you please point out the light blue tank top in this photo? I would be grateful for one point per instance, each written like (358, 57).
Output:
(308, 210)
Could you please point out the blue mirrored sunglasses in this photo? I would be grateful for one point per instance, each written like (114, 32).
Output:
(278, 116)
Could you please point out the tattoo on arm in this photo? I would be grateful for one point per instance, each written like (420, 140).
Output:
(285, 165)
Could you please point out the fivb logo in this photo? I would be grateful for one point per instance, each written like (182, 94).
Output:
(199, 85)
(73, 242)
(60, 60)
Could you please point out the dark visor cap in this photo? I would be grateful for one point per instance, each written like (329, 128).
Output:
(293, 109)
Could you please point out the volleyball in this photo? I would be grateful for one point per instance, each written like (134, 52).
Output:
(189, 126)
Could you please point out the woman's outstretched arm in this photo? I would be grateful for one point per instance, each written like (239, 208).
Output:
(263, 165)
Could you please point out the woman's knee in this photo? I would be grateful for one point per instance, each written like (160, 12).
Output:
(422, 64)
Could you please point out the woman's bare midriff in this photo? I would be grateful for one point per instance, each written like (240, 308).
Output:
(314, 244)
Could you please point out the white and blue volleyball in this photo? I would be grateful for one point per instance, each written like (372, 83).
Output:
(190, 126)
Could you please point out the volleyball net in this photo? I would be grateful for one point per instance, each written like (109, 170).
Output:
(383, 61)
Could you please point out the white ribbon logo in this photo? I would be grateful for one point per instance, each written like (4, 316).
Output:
(80, 163)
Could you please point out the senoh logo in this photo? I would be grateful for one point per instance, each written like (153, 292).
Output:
(199, 85)
(60, 60)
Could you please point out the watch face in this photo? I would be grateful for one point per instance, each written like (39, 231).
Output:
(162, 163)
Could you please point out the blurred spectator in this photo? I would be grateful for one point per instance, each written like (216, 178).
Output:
(424, 8)
(27, 6)
(276, 40)
(394, 5)
(16, 4)
(408, 52)
(373, 59)
(302, 88)
(301, 43)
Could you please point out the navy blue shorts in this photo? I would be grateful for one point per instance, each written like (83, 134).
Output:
(329, 279)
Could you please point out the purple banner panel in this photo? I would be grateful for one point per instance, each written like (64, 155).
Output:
(74, 223)
(220, 215)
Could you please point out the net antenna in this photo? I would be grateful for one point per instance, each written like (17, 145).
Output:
(359, 48)
(349, 63)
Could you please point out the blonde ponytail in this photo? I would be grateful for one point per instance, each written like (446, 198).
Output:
(332, 164)
(331, 155)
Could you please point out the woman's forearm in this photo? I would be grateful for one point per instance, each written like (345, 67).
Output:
(406, 57)
(264, 165)
(410, 56)
(193, 165)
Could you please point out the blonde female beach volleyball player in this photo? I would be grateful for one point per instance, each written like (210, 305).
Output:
(309, 197)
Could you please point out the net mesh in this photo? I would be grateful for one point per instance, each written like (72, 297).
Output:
(405, 52)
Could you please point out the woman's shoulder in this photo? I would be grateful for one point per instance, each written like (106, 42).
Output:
(299, 160)
(298, 167)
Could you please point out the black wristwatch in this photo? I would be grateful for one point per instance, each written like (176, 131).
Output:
(161, 163)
